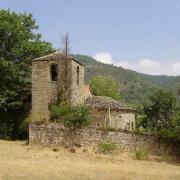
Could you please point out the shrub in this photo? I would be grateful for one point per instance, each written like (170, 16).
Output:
(141, 153)
(73, 117)
(106, 148)
(24, 128)
(58, 111)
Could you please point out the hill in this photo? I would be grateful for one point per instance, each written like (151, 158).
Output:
(134, 87)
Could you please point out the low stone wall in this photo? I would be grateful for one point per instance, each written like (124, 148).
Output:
(56, 134)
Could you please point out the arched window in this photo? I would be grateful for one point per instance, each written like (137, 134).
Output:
(54, 72)
(77, 75)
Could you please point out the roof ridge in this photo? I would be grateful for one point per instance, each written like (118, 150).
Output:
(48, 55)
(56, 53)
(106, 102)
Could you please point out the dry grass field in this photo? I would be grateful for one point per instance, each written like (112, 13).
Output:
(19, 161)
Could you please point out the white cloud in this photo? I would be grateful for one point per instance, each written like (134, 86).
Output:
(147, 66)
(148, 63)
(153, 67)
(124, 64)
(103, 57)
(176, 68)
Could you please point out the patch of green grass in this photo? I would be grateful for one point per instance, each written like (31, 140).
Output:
(141, 153)
(106, 148)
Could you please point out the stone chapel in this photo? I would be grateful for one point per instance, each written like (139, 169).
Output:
(55, 76)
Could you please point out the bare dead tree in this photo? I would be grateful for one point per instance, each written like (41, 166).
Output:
(65, 50)
(65, 44)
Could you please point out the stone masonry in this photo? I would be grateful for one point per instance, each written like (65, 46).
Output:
(56, 134)
(69, 83)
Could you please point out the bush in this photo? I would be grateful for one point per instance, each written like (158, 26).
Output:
(10, 123)
(106, 148)
(24, 128)
(73, 117)
(141, 153)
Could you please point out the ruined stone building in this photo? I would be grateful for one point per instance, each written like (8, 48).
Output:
(106, 112)
(55, 78)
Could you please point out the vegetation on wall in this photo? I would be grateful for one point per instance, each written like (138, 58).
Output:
(141, 153)
(19, 44)
(72, 117)
(106, 148)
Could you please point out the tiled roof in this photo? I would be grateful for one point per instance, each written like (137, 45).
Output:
(102, 102)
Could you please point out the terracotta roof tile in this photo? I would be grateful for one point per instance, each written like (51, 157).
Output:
(103, 102)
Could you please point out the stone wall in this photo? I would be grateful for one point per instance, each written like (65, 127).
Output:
(43, 89)
(122, 120)
(77, 88)
(114, 119)
(58, 135)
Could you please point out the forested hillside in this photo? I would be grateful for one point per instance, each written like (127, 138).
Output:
(134, 87)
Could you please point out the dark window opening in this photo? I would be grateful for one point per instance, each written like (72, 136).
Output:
(132, 125)
(78, 75)
(54, 72)
(49, 107)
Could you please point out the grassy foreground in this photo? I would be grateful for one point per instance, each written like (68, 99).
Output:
(19, 161)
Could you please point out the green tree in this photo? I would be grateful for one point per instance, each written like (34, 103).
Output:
(19, 44)
(105, 86)
(176, 122)
(159, 114)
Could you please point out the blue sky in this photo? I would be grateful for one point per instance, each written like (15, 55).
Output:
(143, 35)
